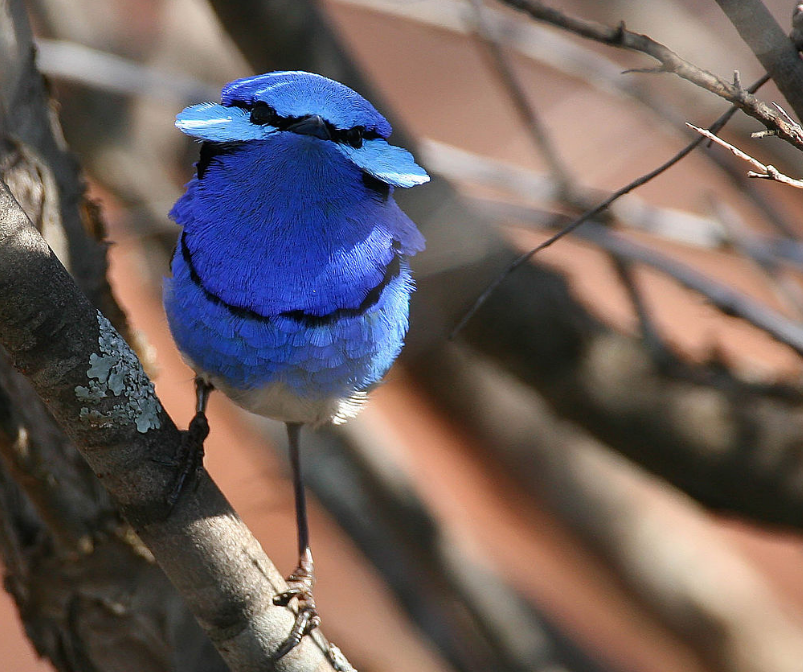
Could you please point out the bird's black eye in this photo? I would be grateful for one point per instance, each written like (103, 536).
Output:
(262, 113)
(354, 136)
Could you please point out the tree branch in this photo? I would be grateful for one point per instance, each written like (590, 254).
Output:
(669, 62)
(772, 47)
(95, 388)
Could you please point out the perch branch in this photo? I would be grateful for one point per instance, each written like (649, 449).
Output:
(93, 385)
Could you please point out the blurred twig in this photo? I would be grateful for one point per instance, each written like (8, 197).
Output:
(517, 94)
(728, 300)
(657, 542)
(115, 74)
(519, 184)
(593, 212)
(750, 246)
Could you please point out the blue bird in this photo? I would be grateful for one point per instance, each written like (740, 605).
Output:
(290, 284)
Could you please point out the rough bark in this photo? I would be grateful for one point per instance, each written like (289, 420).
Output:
(95, 388)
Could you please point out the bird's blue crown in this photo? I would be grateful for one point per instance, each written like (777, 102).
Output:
(255, 108)
(297, 94)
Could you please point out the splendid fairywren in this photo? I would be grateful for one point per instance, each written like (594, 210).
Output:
(290, 283)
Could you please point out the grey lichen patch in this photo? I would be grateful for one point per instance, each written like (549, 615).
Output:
(115, 371)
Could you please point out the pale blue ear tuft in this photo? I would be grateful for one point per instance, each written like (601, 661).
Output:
(393, 165)
(217, 123)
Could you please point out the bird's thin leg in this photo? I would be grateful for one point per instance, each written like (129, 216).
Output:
(301, 581)
(192, 441)
(294, 436)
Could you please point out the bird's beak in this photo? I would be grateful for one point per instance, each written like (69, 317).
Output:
(313, 125)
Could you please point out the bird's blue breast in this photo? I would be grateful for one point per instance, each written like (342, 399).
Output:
(336, 356)
(288, 224)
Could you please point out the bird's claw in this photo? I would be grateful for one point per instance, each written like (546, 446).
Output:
(191, 458)
(299, 585)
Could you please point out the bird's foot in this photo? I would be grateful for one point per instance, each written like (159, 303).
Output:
(299, 585)
(191, 457)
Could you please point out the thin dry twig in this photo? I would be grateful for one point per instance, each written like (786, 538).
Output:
(751, 247)
(765, 172)
(669, 62)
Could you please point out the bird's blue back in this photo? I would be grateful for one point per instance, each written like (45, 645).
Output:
(290, 270)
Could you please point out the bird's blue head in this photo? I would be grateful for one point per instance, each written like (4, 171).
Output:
(255, 108)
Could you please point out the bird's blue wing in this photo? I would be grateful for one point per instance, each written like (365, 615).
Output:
(393, 165)
(218, 123)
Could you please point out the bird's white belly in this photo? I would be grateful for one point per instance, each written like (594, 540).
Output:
(279, 402)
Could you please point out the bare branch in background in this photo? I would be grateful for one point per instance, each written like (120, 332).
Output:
(750, 246)
(81, 64)
(771, 46)
(587, 215)
(518, 96)
(725, 298)
(568, 193)
(669, 62)
(681, 567)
